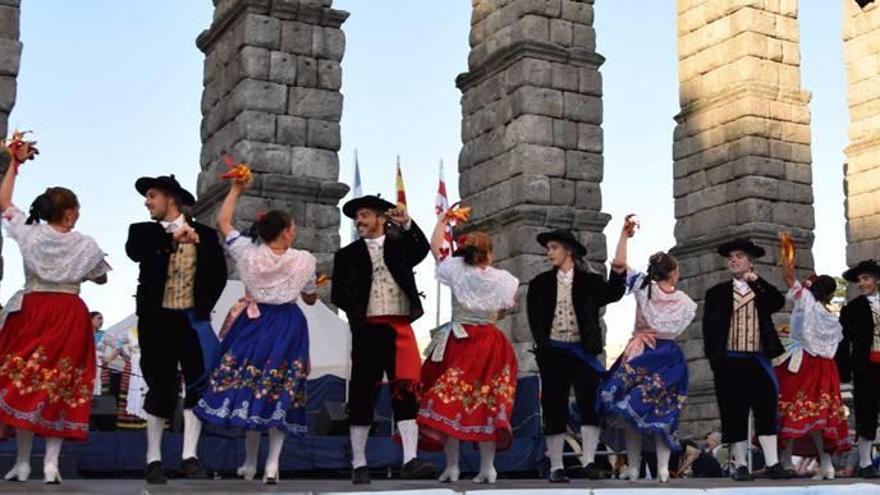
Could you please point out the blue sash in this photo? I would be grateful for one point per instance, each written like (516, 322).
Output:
(762, 361)
(577, 350)
(210, 347)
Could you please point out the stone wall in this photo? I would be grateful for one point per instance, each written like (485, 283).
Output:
(861, 36)
(10, 58)
(742, 162)
(532, 136)
(272, 99)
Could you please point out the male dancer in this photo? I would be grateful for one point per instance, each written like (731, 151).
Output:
(858, 357)
(373, 283)
(182, 274)
(563, 310)
(739, 339)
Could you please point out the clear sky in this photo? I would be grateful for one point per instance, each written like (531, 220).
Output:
(112, 90)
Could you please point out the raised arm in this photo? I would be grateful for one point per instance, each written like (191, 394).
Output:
(17, 155)
(437, 237)
(618, 264)
(224, 216)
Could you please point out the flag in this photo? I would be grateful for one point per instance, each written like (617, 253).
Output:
(441, 204)
(401, 191)
(356, 193)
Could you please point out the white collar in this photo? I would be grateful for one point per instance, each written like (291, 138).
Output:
(375, 243)
(874, 299)
(566, 277)
(741, 286)
(172, 226)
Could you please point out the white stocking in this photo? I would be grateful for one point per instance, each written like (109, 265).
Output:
(865, 447)
(451, 447)
(24, 441)
(155, 427)
(770, 446)
(786, 455)
(359, 435)
(192, 429)
(276, 443)
(589, 442)
(555, 444)
(825, 465)
(409, 436)
(663, 454)
(53, 450)
(251, 449)
(633, 448)
(738, 450)
(487, 472)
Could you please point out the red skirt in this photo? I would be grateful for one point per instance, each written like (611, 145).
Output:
(469, 395)
(809, 401)
(47, 366)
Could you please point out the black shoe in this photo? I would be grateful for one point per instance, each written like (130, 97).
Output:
(742, 474)
(593, 472)
(360, 476)
(558, 476)
(155, 475)
(778, 472)
(190, 468)
(868, 473)
(417, 469)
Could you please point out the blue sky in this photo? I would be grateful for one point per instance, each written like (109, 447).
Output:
(112, 90)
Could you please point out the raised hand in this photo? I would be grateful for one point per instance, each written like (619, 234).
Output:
(398, 216)
(630, 225)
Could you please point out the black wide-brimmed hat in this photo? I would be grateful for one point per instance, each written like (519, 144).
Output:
(563, 236)
(865, 266)
(741, 244)
(370, 202)
(167, 184)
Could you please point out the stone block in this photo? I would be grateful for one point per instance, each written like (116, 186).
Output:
(527, 72)
(531, 28)
(323, 134)
(534, 100)
(255, 126)
(251, 94)
(291, 130)
(315, 104)
(7, 95)
(584, 166)
(562, 192)
(307, 72)
(328, 43)
(316, 163)
(528, 128)
(262, 31)
(544, 160)
(253, 62)
(296, 37)
(283, 68)
(263, 157)
(10, 57)
(582, 108)
(329, 75)
(9, 22)
(561, 32)
(321, 216)
(565, 77)
(590, 138)
(584, 37)
(588, 195)
(565, 134)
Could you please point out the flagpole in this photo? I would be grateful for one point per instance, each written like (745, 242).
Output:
(437, 325)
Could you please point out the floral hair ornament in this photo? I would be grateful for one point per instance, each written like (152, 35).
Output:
(786, 249)
(322, 279)
(237, 171)
(457, 214)
(15, 143)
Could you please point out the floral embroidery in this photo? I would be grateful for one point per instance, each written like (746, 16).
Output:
(271, 383)
(65, 383)
(801, 408)
(652, 388)
(453, 387)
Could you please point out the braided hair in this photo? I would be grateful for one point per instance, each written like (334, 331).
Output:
(269, 226)
(660, 267)
(51, 205)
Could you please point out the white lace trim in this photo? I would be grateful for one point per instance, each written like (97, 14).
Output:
(268, 277)
(54, 257)
(667, 314)
(818, 329)
(478, 289)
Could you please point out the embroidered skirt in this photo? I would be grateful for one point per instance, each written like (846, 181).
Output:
(47, 366)
(259, 381)
(809, 401)
(469, 394)
(647, 394)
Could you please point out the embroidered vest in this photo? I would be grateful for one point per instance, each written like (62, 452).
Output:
(875, 346)
(745, 331)
(179, 286)
(386, 297)
(565, 327)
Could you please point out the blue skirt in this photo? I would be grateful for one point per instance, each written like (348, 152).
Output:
(647, 393)
(258, 380)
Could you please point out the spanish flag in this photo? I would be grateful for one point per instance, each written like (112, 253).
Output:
(401, 191)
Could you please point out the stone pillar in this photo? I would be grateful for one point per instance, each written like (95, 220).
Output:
(272, 100)
(861, 35)
(742, 163)
(532, 135)
(10, 58)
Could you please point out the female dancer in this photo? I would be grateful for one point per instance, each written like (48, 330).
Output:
(812, 417)
(470, 374)
(47, 346)
(647, 387)
(259, 381)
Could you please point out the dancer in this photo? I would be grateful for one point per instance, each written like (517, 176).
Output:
(739, 340)
(373, 283)
(647, 386)
(563, 311)
(858, 357)
(47, 346)
(813, 421)
(182, 274)
(259, 380)
(470, 374)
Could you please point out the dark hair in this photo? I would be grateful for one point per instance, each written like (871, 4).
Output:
(269, 226)
(660, 266)
(51, 205)
(823, 288)
(474, 248)
(93, 314)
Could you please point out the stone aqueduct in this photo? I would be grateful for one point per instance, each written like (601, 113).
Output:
(532, 130)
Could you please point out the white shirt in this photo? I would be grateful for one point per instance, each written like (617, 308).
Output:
(741, 286)
(375, 243)
(874, 299)
(173, 226)
(566, 278)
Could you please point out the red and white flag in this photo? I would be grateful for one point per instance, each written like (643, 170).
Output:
(441, 204)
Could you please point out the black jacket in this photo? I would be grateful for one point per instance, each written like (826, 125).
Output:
(718, 310)
(589, 293)
(150, 246)
(353, 272)
(854, 350)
